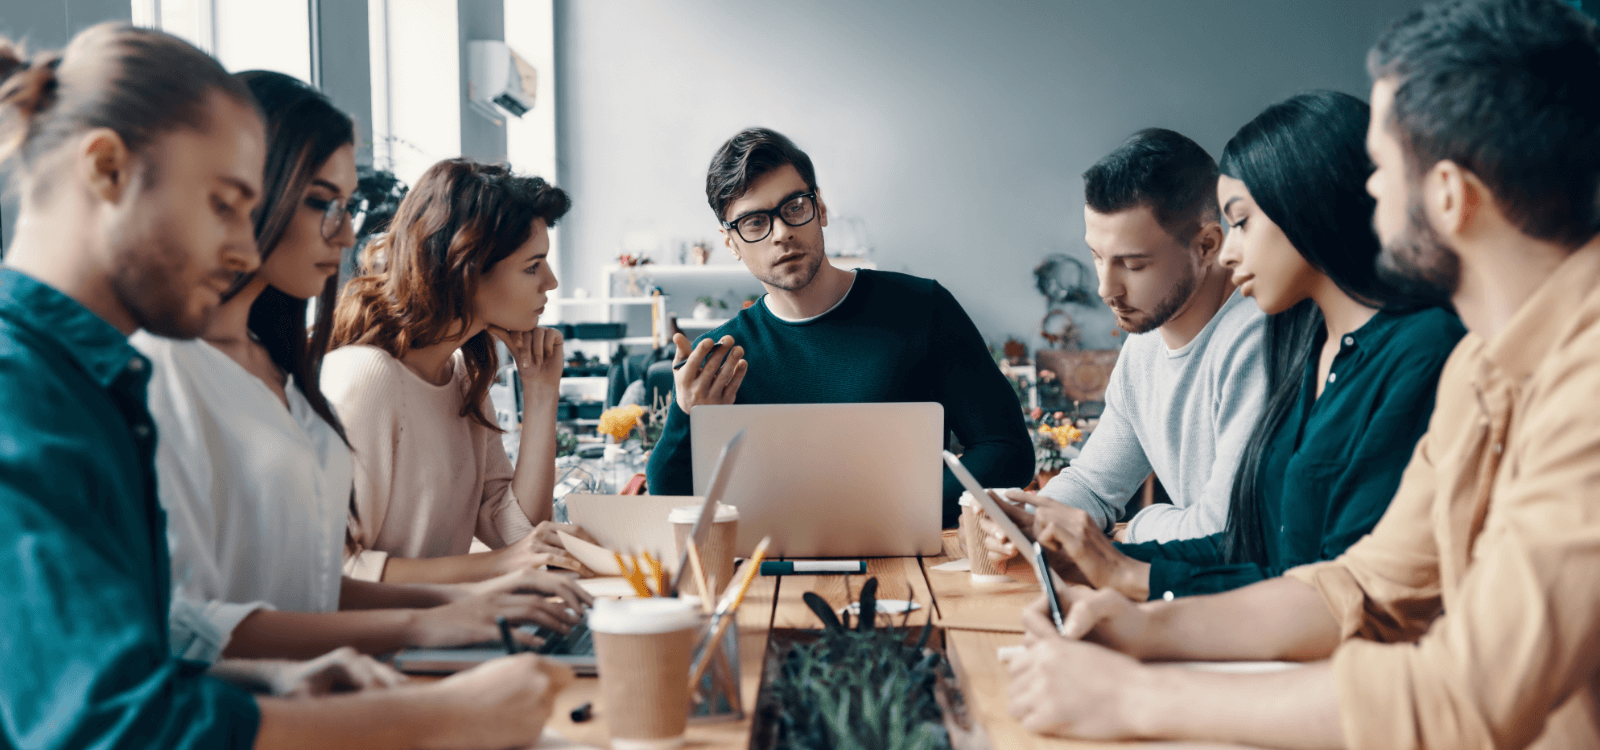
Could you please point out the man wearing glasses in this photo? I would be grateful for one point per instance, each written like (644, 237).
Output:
(827, 335)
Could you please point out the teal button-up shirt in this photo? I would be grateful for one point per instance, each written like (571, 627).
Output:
(84, 591)
(1329, 472)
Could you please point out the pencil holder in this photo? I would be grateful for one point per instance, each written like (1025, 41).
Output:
(717, 697)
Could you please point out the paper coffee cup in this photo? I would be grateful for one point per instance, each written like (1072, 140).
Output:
(984, 571)
(643, 648)
(717, 554)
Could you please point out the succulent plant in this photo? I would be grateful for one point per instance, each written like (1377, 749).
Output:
(860, 688)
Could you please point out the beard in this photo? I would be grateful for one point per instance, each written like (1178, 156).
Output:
(1418, 262)
(156, 283)
(797, 275)
(1164, 310)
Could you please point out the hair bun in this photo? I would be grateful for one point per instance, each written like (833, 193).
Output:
(29, 86)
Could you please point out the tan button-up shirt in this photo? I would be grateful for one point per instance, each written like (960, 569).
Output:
(1471, 613)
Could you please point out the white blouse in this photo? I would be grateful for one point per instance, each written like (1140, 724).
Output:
(257, 496)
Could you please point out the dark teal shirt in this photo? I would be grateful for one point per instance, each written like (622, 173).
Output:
(84, 591)
(1329, 472)
(893, 338)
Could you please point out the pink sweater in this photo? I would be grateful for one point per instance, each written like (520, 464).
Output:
(426, 479)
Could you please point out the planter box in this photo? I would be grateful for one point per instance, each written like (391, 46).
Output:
(964, 734)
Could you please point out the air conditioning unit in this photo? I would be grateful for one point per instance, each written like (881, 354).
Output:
(500, 83)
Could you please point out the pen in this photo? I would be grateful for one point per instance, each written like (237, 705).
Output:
(724, 614)
(680, 363)
(792, 567)
(505, 635)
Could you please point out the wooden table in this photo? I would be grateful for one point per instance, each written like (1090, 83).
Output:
(975, 624)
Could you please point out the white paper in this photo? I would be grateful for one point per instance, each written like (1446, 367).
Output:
(886, 606)
(597, 558)
(964, 565)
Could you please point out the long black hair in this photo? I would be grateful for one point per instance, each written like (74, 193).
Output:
(303, 130)
(1305, 163)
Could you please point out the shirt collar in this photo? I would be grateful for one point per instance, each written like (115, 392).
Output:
(98, 347)
(1533, 331)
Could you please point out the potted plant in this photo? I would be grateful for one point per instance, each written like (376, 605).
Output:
(857, 686)
(1056, 436)
(705, 307)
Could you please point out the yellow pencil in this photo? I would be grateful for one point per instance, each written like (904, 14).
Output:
(725, 609)
(637, 584)
(655, 573)
(700, 577)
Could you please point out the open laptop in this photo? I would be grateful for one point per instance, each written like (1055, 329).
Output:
(829, 480)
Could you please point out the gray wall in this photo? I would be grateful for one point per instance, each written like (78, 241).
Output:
(480, 139)
(346, 65)
(47, 25)
(957, 131)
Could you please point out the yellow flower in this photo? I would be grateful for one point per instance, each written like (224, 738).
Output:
(1044, 429)
(1066, 435)
(620, 421)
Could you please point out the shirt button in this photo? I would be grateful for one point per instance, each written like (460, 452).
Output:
(136, 364)
(1167, 597)
(141, 431)
(1349, 341)
(1332, 376)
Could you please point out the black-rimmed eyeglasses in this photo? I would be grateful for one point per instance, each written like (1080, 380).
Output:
(757, 225)
(335, 213)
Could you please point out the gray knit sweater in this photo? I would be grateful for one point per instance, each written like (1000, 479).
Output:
(1184, 414)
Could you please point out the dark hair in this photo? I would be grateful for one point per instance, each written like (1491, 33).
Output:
(1305, 163)
(140, 83)
(461, 219)
(1161, 169)
(1509, 90)
(303, 130)
(745, 158)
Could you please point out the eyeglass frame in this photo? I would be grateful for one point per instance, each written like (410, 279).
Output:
(350, 209)
(773, 213)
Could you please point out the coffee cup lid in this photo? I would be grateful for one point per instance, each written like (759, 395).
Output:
(643, 616)
(690, 514)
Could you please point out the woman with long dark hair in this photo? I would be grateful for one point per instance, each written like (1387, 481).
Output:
(1352, 365)
(254, 467)
(464, 263)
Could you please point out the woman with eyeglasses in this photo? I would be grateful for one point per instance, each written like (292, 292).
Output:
(254, 468)
(465, 263)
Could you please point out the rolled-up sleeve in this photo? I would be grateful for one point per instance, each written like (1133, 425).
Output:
(1521, 633)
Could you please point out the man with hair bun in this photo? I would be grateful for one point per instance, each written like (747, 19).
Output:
(139, 161)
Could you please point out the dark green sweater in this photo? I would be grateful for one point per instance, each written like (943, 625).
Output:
(894, 338)
(1329, 472)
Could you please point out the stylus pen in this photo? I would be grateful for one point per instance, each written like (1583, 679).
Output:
(680, 363)
(505, 635)
(1049, 585)
(803, 567)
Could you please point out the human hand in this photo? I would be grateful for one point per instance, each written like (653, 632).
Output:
(342, 670)
(1069, 532)
(539, 355)
(500, 703)
(539, 548)
(529, 596)
(998, 544)
(1065, 687)
(717, 381)
(1101, 616)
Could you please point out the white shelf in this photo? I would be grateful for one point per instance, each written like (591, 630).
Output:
(566, 301)
(718, 269)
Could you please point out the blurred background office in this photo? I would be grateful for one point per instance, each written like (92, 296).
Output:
(948, 136)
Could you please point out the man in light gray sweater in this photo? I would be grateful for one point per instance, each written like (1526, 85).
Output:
(1190, 382)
